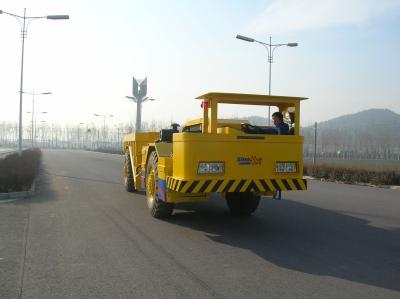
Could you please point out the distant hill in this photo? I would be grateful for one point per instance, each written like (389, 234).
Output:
(254, 120)
(372, 118)
(373, 133)
(257, 120)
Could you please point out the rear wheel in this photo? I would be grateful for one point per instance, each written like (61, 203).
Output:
(240, 203)
(128, 174)
(157, 207)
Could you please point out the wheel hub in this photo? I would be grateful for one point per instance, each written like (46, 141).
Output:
(150, 188)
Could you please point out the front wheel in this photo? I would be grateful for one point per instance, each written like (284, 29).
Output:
(242, 203)
(157, 207)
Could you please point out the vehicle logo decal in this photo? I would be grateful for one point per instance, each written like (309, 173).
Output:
(253, 160)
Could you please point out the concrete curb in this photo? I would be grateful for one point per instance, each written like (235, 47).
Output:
(392, 187)
(6, 153)
(11, 196)
(107, 153)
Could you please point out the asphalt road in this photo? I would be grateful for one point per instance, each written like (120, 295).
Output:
(83, 236)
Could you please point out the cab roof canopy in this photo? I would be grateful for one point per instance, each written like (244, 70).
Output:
(249, 99)
(210, 116)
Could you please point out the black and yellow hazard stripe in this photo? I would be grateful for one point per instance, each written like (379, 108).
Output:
(238, 185)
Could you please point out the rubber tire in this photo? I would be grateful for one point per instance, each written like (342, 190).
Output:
(242, 203)
(157, 207)
(128, 174)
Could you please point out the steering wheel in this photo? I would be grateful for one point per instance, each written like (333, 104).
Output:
(246, 126)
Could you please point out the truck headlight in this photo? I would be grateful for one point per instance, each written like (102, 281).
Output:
(286, 167)
(211, 167)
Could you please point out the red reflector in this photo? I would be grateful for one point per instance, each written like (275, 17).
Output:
(204, 105)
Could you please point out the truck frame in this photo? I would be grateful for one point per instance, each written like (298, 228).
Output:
(240, 161)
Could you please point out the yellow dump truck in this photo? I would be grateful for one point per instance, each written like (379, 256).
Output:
(239, 160)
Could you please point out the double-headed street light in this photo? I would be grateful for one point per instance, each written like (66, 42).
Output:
(79, 134)
(104, 116)
(33, 94)
(270, 48)
(139, 102)
(43, 131)
(24, 27)
(34, 126)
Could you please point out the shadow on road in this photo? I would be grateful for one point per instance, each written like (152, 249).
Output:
(43, 191)
(82, 178)
(304, 238)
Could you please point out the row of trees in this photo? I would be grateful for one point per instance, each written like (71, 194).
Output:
(331, 142)
(365, 143)
(83, 136)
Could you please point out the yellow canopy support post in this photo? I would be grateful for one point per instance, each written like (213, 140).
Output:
(213, 116)
(205, 117)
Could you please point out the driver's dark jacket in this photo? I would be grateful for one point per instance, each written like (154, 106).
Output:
(282, 128)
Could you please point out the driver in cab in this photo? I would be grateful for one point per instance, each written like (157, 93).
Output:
(281, 127)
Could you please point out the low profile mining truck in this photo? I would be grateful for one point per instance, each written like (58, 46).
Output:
(234, 158)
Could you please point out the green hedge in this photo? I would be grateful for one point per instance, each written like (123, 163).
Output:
(18, 172)
(352, 175)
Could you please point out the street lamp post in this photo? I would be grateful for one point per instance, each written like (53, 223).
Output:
(86, 135)
(118, 141)
(24, 27)
(43, 140)
(43, 112)
(271, 49)
(89, 130)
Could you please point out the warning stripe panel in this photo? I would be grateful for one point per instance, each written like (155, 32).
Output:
(265, 185)
(228, 186)
(303, 183)
(204, 186)
(192, 186)
(183, 183)
(297, 184)
(216, 186)
(240, 185)
(253, 187)
(291, 185)
(276, 185)
(286, 184)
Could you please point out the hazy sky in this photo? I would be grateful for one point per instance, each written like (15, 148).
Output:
(347, 59)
